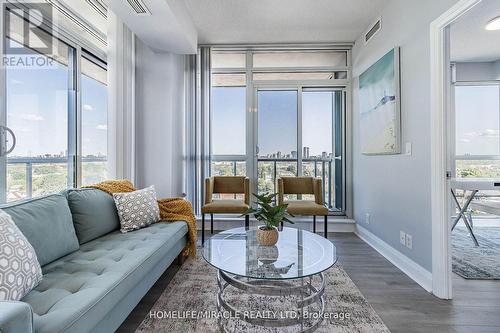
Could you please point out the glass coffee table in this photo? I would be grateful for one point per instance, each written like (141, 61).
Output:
(279, 286)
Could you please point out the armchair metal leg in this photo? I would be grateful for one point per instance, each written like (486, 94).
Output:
(202, 229)
(314, 223)
(211, 223)
(247, 222)
(326, 226)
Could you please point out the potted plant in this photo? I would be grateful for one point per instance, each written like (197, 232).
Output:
(271, 215)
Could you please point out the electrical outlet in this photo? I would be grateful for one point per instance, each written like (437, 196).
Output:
(367, 218)
(409, 241)
(402, 238)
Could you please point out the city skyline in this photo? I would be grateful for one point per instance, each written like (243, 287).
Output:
(293, 155)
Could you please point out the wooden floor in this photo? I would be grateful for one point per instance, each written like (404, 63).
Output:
(402, 304)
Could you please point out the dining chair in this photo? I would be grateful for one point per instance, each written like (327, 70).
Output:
(303, 186)
(225, 186)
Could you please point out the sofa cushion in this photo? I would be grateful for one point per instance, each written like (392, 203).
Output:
(47, 224)
(94, 213)
(77, 291)
(137, 209)
(20, 271)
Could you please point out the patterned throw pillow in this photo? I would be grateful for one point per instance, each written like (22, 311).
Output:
(20, 271)
(137, 209)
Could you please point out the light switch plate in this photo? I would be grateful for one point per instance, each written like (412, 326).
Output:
(408, 148)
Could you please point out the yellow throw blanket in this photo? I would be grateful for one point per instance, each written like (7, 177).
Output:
(172, 209)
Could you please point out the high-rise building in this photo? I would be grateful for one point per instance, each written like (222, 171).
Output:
(294, 153)
(305, 153)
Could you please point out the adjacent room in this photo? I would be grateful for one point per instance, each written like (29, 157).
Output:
(474, 119)
(250, 166)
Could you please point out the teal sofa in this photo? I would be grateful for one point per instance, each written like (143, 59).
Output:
(93, 275)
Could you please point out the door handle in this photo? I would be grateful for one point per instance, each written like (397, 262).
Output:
(3, 140)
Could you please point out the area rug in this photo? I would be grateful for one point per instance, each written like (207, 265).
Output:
(471, 262)
(191, 294)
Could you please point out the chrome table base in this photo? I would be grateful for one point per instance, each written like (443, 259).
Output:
(308, 293)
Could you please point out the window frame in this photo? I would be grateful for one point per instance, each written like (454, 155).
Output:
(80, 49)
(452, 143)
(251, 96)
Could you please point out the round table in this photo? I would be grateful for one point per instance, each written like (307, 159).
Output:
(293, 267)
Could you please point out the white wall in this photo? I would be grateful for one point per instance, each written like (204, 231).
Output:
(496, 67)
(477, 71)
(395, 190)
(159, 120)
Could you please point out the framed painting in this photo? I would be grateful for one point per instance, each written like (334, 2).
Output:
(380, 108)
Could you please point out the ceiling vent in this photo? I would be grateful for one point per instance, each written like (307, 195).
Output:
(139, 7)
(99, 7)
(374, 29)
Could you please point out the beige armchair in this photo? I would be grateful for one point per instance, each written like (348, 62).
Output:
(304, 185)
(224, 185)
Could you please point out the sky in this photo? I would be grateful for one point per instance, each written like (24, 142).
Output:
(37, 107)
(277, 121)
(477, 113)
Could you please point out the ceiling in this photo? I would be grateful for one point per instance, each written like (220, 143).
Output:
(470, 42)
(282, 21)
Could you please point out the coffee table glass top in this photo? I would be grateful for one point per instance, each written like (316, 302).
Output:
(297, 254)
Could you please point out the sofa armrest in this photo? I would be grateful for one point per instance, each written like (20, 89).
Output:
(15, 317)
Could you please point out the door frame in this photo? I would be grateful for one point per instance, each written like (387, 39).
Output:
(440, 73)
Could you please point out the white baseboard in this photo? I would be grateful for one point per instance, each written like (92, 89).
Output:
(334, 224)
(416, 272)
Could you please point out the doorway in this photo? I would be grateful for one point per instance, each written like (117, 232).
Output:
(465, 141)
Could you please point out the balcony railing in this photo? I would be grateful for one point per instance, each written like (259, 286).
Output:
(14, 173)
(269, 169)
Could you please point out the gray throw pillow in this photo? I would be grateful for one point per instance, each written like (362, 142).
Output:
(137, 209)
(20, 270)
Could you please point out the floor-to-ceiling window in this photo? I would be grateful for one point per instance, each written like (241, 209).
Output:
(37, 104)
(477, 128)
(55, 111)
(280, 113)
(94, 120)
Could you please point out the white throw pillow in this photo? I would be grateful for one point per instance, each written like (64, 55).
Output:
(20, 270)
(137, 209)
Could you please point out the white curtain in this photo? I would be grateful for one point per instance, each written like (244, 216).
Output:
(197, 150)
(121, 100)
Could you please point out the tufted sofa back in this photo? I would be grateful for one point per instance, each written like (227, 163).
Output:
(56, 225)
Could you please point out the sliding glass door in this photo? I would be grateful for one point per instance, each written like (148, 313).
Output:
(53, 120)
(300, 131)
(277, 137)
(38, 111)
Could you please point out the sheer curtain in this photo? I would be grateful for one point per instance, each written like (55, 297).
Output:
(197, 150)
(121, 100)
